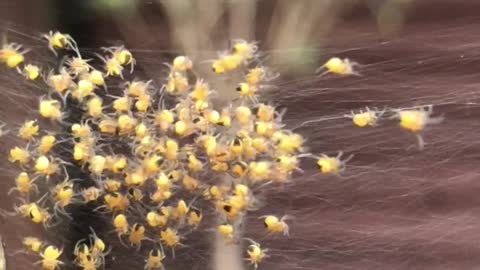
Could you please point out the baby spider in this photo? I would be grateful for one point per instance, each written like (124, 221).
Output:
(61, 82)
(115, 201)
(94, 107)
(365, 118)
(47, 142)
(123, 56)
(255, 253)
(91, 194)
(332, 165)
(171, 239)
(194, 217)
(57, 40)
(155, 220)
(96, 77)
(29, 130)
(338, 66)
(259, 170)
(50, 258)
(51, 109)
(32, 244)
(154, 260)
(227, 62)
(90, 256)
(24, 185)
(247, 50)
(201, 91)
(12, 55)
(63, 194)
(177, 83)
(112, 66)
(181, 64)
(121, 226)
(20, 155)
(227, 231)
(35, 213)
(415, 120)
(47, 166)
(98, 248)
(136, 235)
(89, 262)
(31, 72)
(248, 91)
(81, 252)
(275, 225)
(259, 74)
(78, 66)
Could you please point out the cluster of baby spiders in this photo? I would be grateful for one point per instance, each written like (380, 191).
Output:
(178, 149)
(172, 148)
